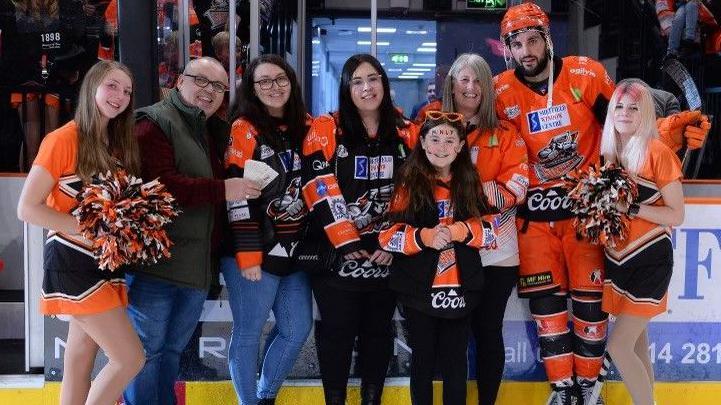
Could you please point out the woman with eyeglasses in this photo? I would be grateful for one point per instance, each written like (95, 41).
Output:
(500, 157)
(270, 122)
(350, 159)
(435, 233)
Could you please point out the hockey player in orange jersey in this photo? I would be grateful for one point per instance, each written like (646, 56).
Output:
(558, 105)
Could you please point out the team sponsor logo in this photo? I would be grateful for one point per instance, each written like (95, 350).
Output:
(489, 237)
(548, 200)
(315, 137)
(289, 158)
(596, 277)
(444, 208)
(341, 151)
(338, 208)
(363, 269)
(237, 210)
(536, 280)
(518, 185)
(321, 188)
(513, 111)
(474, 154)
(582, 71)
(319, 165)
(449, 300)
(234, 153)
(290, 206)
(398, 239)
(266, 151)
(361, 167)
(547, 119)
(500, 89)
(558, 157)
(373, 168)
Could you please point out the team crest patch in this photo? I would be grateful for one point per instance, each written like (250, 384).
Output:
(341, 151)
(338, 208)
(266, 151)
(547, 119)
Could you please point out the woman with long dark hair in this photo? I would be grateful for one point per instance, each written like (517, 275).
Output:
(436, 231)
(269, 125)
(96, 141)
(500, 157)
(350, 159)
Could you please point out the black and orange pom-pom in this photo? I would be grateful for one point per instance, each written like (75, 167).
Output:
(595, 193)
(125, 219)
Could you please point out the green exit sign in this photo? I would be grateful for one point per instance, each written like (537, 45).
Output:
(485, 4)
(399, 58)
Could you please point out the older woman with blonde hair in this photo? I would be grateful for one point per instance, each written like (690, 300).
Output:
(499, 155)
(638, 270)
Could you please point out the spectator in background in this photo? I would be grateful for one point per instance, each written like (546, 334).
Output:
(683, 27)
(430, 97)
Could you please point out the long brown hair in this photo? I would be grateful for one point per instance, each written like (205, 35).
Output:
(38, 9)
(96, 154)
(419, 176)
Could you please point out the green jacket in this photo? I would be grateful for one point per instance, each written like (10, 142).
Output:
(190, 264)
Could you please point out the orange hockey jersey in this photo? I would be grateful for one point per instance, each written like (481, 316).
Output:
(560, 138)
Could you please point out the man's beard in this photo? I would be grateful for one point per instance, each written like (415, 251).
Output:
(542, 63)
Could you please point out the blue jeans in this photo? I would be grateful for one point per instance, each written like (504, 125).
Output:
(165, 316)
(684, 23)
(251, 301)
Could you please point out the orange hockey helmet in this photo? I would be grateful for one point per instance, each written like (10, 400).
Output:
(523, 17)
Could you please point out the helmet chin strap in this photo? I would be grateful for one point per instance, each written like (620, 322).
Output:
(549, 44)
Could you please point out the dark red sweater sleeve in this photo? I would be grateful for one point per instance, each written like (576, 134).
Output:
(159, 162)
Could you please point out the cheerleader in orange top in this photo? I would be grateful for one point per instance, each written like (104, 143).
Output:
(435, 234)
(499, 154)
(100, 135)
(638, 271)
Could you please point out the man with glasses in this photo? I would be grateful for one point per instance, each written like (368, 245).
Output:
(182, 142)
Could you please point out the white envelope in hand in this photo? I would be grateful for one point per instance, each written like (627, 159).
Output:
(259, 172)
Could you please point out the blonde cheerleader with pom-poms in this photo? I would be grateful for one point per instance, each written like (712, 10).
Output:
(638, 269)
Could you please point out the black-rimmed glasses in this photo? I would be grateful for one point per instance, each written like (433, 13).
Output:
(267, 84)
(202, 81)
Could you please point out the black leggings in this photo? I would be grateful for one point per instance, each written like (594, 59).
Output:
(345, 315)
(432, 338)
(487, 326)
